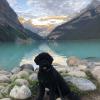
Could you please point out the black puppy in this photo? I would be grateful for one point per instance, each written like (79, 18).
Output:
(49, 78)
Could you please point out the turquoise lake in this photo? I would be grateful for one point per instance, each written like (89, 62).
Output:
(11, 54)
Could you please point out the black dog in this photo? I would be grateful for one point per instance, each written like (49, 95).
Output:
(49, 78)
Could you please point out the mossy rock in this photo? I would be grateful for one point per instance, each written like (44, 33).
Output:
(34, 87)
(90, 77)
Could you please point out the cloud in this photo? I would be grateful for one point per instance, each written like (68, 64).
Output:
(57, 7)
(29, 2)
(12, 2)
(41, 8)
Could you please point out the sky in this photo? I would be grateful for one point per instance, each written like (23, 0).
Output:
(41, 8)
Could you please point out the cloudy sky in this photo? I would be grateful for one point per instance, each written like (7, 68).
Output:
(40, 8)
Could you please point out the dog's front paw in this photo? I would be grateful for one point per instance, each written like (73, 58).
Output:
(58, 99)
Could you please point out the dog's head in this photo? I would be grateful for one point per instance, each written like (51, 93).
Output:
(44, 60)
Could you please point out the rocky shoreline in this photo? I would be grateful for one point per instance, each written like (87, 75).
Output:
(21, 83)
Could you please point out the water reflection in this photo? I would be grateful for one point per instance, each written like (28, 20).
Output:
(12, 55)
(44, 47)
(79, 48)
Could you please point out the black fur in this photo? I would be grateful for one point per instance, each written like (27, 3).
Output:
(49, 78)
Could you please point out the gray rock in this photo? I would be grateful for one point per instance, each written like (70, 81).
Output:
(33, 77)
(81, 83)
(96, 73)
(76, 68)
(91, 65)
(77, 74)
(82, 68)
(4, 79)
(60, 68)
(6, 99)
(22, 92)
(16, 70)
(6, 75)
(3, 72)
(27, 66)
(84, 62)
(97, 63)
(21, 82)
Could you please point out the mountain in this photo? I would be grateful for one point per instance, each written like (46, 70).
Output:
(43, 25)
(41, 30)
(84, 26)
(33, 35)
(10, 27)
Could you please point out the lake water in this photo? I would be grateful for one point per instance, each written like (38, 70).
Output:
(12, 55)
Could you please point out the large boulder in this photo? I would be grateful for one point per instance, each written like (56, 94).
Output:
(73, 61)
(27, 66)
(96, 73)
(20, 93)
(81, 83)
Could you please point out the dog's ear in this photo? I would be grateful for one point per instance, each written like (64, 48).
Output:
(43, 56)
(50, 59)
(37, 59)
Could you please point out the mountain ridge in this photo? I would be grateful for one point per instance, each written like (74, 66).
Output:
(86, 23)
(10, 26)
